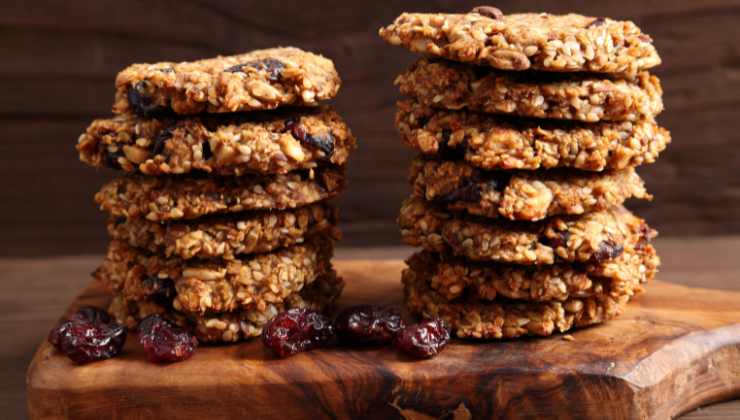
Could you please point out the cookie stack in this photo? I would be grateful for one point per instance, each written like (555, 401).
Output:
(528, 128)
(221, 219)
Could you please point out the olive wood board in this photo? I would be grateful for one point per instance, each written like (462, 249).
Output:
(674, 349)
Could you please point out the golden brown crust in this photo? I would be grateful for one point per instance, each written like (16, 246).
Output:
(455, 278)
(230, 326)
(597, 236)
(447, 85)
(475, 319)
(491, 142)
(227, 237)
(257, 80)
(521, 195)
(175, 198)
(524, 41)
(200, 286)
(269, 143)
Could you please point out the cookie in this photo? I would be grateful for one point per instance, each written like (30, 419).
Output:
(257, 80)
(476, 319)
(521, 195)
(190, 197)
(230, 326)
(526, 41)
(227, 237)
(593, 237)
(578, 97)
(200, 286)
(274, 142)
(491, 142)
(454, 277)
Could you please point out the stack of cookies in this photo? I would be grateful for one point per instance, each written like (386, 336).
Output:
(221, 219)
(528, 128)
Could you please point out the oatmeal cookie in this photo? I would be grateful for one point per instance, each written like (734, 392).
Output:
(579, 97)
(274, 142)
(230, 326)
(521, 195)
(190, 197)
(454, 277)
(476, 319)
(597, 236)
(229, 236)
(492, 142)
(200, 286)
(257, 80)
(526, 41)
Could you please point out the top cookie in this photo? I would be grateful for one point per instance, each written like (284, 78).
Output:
(258, 80)
(537, 41)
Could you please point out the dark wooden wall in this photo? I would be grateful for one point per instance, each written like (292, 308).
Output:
(59, 59)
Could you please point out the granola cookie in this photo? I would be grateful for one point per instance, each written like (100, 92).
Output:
(476, 319)
(200, 286)
(227, 237)
(447, 85)
(230, 326)
(521, 195)
(257, 80)
(267, 142)
(190, 197)
(526, 41)
(492, 142)
(593, 237)
(454, 277)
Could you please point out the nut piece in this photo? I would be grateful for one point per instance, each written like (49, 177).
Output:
(291, 147)
(488, 11)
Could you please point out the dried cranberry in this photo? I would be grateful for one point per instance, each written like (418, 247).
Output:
(425, 339)
(143, 104)
(368, 324)
(88, 335)
(323, 142)
(273, 67)
(164, 341)
(84, 313)
(608, 250)
(297, 330)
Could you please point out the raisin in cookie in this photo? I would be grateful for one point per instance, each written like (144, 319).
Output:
(257, 80)
(526, 41)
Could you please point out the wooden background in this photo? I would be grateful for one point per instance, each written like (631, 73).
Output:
(59, 59)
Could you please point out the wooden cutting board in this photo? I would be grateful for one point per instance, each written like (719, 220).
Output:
(674, 349)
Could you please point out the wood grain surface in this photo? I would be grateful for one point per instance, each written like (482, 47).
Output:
(33, 292)
(60, 58)
(673, 349)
